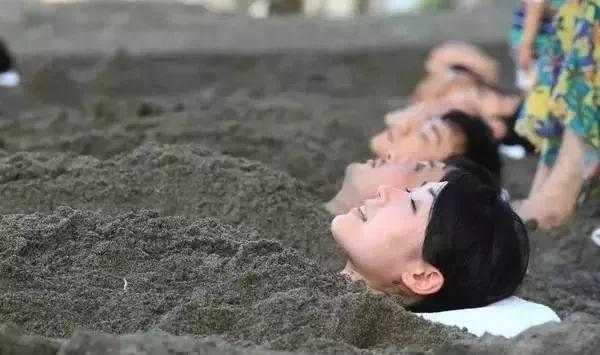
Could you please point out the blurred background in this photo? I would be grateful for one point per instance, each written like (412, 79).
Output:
(148, 26)
(326, 8)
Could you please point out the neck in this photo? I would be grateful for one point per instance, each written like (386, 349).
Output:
(352, 276)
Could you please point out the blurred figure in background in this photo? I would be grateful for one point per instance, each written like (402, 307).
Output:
(561, 116)
(530, 38)
(9, 77)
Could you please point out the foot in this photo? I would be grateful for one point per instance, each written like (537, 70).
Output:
(549, 210)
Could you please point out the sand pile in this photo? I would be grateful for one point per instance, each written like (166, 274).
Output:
(171, 203)
(174, 180)
(308, 137)
(139, 271)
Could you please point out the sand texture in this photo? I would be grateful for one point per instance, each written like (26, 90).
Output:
(156, 201)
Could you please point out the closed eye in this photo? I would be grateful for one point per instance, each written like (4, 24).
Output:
(413, 204)
(436, 132)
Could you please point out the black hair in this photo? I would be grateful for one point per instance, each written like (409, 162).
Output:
(6, 61)
(483, 174)
(481, 147)
(477, 242)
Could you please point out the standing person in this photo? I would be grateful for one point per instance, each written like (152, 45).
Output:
(530, 37)
(562, 114)
(9, 76)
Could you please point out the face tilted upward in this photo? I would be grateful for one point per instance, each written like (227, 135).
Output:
(384, 237)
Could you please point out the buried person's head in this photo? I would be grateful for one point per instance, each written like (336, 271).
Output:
(445, 245)
(361, 181)
(454, 133)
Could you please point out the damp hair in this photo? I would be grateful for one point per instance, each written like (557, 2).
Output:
(477, 242)
(480, 146)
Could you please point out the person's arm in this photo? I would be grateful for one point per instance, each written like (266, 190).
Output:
(534, 11)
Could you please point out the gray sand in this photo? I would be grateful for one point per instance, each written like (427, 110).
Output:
(175, 180)
(67, 270)
(236, 256)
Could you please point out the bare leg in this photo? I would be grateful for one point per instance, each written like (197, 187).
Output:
(554, 201)
(541, 175)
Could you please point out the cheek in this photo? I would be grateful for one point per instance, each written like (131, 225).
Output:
(412, 148)
(368, 183)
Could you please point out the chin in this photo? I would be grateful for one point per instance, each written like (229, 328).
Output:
(338, 224)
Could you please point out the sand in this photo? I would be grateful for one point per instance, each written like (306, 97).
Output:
(140, 271)
(172, 203)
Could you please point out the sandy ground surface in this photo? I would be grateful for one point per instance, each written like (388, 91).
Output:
(172, 203)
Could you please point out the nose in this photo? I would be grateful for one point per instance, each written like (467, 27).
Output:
(379, 144)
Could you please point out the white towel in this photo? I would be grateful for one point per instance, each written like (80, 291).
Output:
(507, 317)
(10, 78)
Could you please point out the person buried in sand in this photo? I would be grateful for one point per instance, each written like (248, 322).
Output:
(438, 138)
(362, 180)
(442, 246)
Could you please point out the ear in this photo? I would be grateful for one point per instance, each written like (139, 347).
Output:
(423, 281)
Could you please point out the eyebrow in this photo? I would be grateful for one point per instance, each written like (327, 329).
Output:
(419, 166)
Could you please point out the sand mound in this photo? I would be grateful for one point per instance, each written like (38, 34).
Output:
(175, 180)
(307, 137)
(578, 334)
(139, 271)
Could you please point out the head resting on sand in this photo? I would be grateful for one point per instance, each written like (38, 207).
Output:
(362, 180)
(441, 246)
(465, 55)
(438, 138)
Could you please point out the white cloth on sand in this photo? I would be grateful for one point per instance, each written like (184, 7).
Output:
(596, 236)
(10, 78)
(507, 317)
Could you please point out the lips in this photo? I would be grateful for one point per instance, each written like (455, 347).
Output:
(360, 213)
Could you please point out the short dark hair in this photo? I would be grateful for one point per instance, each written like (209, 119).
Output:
(477, 242)
(481, 147)
(6, 61)
(483, 174)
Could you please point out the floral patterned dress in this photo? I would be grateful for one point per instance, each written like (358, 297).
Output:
(567, 93)
(545, 32)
